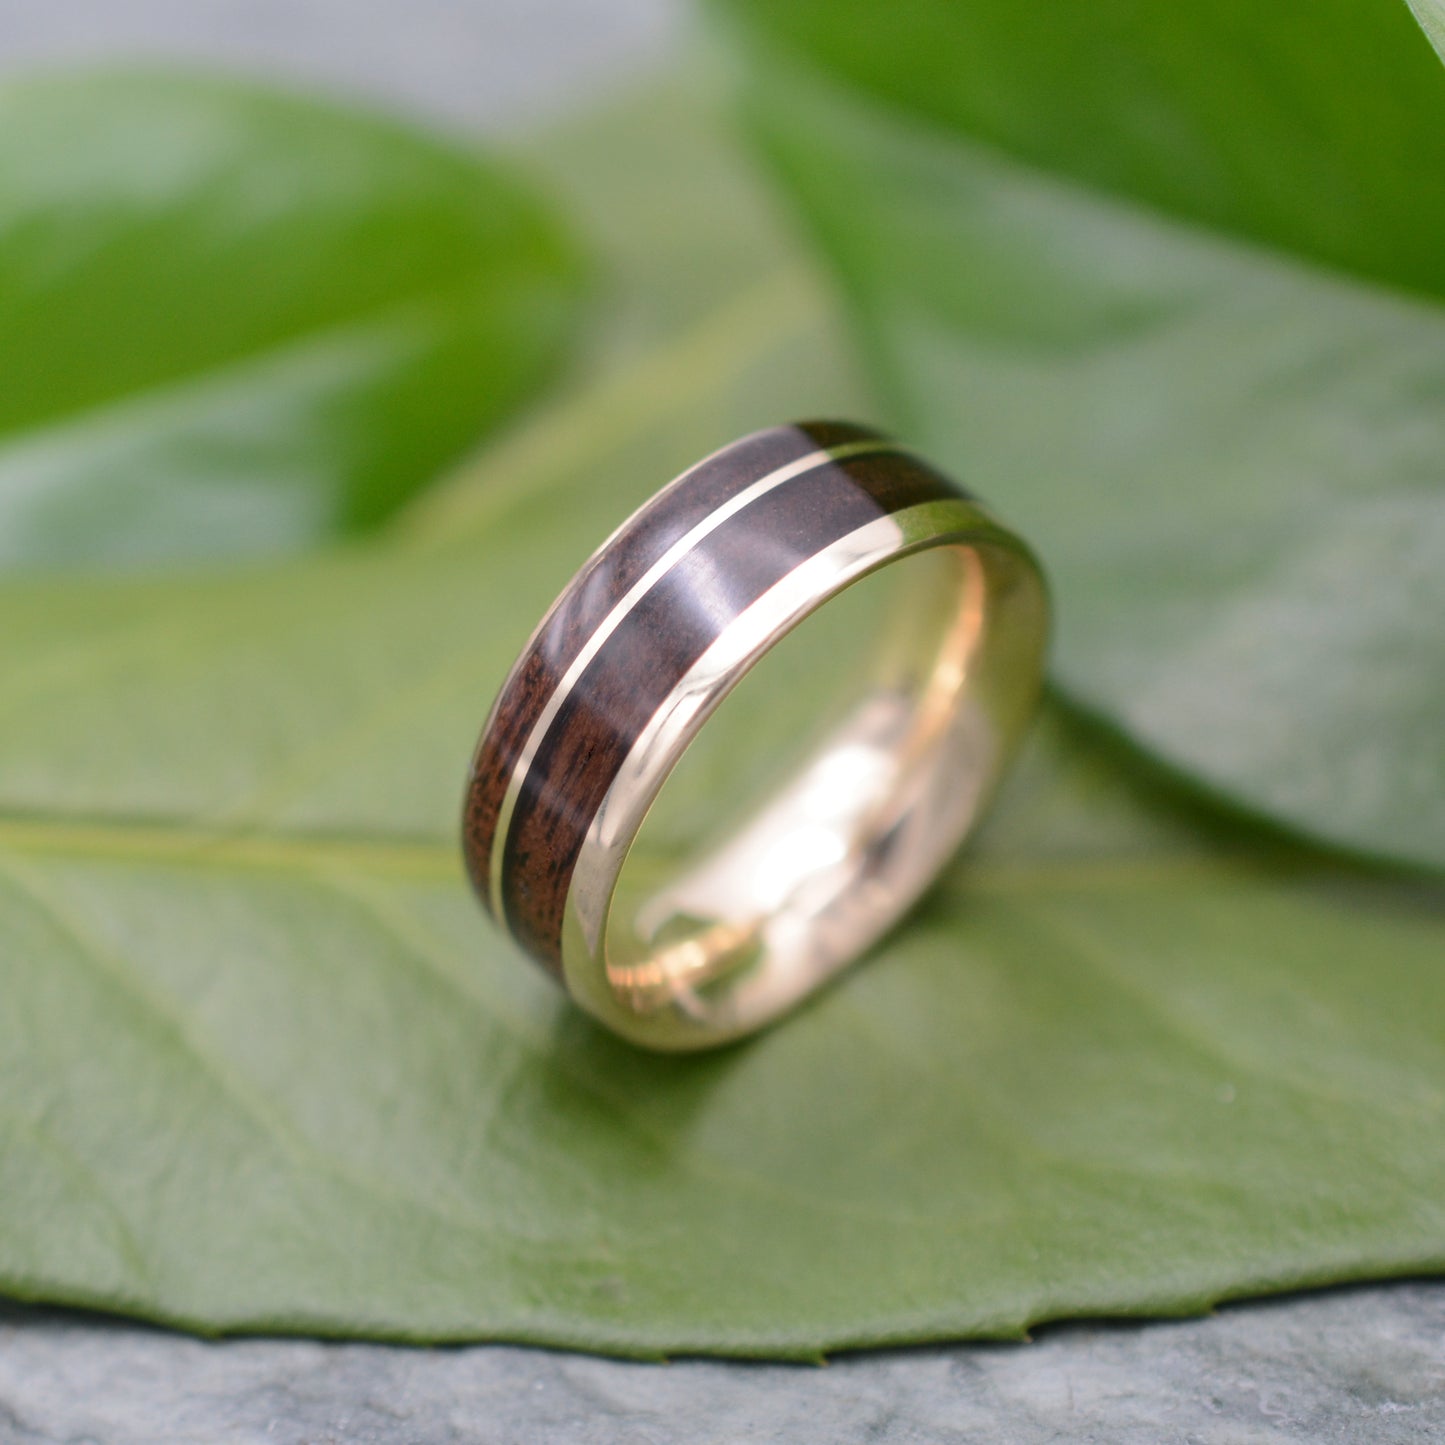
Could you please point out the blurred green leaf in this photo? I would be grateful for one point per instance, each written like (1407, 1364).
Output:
(1167, 284)
(264, 1065)
(235, 321)
(1431, 15)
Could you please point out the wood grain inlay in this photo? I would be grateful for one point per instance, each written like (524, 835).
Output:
(664, 633)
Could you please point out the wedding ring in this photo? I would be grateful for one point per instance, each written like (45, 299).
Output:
(845, 785)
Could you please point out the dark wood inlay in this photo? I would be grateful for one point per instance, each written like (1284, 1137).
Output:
(661, 638)
(600, 584)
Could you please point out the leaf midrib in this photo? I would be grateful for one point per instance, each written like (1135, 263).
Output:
(424, 859)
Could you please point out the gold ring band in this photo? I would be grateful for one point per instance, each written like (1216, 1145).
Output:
(653, 633)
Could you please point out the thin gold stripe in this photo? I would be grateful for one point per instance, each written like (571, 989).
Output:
(669, 730)
(618, 615)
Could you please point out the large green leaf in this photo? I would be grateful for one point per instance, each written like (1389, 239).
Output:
(290, 1079)
(264, 1065)
(1167, 282)
(234, 320)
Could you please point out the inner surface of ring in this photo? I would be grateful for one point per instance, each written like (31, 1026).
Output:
(849, 762)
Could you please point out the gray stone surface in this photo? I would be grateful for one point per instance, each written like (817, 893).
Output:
(1363, 1365)
(494, 64)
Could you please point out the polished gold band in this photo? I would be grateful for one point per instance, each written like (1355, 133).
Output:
(658, 628)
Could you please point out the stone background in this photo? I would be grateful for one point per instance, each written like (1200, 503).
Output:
(488, 64)
(1349, 1365)
(1364, 1365)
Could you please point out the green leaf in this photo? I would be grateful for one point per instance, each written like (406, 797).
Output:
(234, 321)
(264, 1064)
(1167, 284)
(289, 1079)
(1431, 15)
